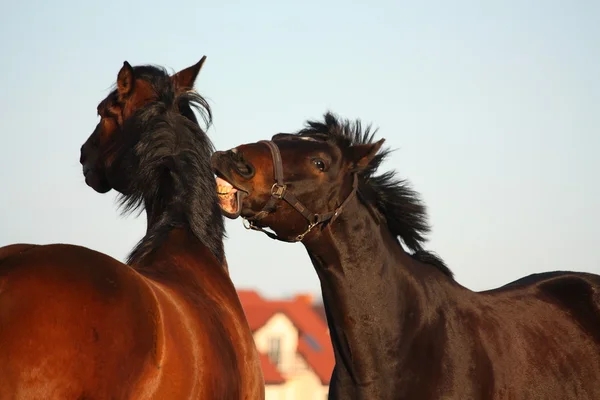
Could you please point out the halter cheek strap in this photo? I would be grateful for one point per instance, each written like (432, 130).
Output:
(279, 192)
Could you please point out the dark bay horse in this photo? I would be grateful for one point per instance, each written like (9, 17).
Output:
(78, 324)
(401, 326)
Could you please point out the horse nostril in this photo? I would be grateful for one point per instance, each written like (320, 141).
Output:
(244, 169)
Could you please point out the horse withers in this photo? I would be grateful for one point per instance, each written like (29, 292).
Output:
(401, 326)
(78, 324)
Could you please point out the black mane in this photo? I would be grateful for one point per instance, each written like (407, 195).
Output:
(399, 204)
(165, 155)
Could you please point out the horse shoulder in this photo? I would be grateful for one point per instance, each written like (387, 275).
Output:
(204, 329)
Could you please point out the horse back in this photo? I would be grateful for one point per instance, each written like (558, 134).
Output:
(575, 295)
(538, 337)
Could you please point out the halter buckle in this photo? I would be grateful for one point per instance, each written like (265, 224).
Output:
(278, 190)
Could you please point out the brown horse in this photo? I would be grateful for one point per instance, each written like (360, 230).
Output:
(401, 326)
(77, 324)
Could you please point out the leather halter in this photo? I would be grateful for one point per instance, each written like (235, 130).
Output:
(279, 192)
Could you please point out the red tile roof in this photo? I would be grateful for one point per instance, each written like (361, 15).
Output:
(314, 344)
(258, 315)
(248, 297)
(270, 371)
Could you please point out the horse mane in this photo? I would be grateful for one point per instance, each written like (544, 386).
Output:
(398, 203)
(165, 155)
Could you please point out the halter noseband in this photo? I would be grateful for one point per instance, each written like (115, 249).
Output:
(279, 192)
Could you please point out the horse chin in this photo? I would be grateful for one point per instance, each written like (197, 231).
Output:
(99, 184)
(230, 198)
(231, 203)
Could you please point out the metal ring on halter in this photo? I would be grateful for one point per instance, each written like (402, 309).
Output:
(310, 226)
(278, 190)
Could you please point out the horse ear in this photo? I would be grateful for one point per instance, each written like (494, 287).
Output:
(185, 78)
(125, 80)
(361, 155)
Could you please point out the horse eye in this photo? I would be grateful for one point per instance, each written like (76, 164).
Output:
(320, 164)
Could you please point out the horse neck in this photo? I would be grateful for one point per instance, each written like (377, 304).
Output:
(376, 295)
(171, 253)
(180, 260)
(180, 197)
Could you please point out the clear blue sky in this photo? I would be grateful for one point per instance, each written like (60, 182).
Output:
(494, 111)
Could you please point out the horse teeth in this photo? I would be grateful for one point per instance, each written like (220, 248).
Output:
(223, 189)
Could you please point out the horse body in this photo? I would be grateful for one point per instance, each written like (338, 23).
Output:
(66, 311)
(411, 332)
(78, 324)
(401, 327)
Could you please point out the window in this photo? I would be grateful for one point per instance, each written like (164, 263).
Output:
(312, 342)
(275, 350)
